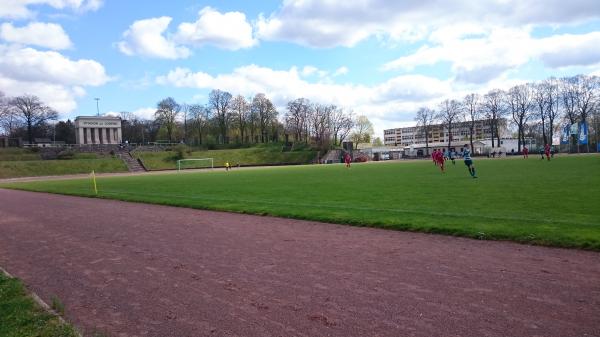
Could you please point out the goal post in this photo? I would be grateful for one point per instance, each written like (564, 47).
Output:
(195, 163)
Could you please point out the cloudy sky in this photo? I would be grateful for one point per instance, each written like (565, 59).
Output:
(382, 59)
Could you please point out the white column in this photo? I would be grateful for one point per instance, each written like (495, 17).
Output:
(80, 135)
(96, 135)
(119, 136)
(88, 136)
(111, 134)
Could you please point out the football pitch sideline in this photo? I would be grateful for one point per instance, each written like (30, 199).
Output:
(534, 201)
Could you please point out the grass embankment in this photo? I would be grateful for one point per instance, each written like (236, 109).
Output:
(20, 316)
(259, 155)
(550, 203)
(16, 163)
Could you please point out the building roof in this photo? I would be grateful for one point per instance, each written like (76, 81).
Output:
(438, 144)
(98, 117)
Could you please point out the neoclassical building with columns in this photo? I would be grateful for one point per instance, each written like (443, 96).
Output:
(98, 130)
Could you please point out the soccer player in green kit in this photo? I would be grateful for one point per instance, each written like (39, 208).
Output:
(469, 161)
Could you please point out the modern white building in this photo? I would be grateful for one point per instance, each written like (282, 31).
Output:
(439, 134)
(98, 130)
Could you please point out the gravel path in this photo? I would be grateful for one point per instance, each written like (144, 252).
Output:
(133, 269)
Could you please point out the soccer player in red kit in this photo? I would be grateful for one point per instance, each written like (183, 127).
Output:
(347, 160)
(547, 151)
(440, 160)
(525, 152)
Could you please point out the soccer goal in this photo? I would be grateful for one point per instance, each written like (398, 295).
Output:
(183, 164)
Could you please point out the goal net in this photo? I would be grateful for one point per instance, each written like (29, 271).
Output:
(183, 164)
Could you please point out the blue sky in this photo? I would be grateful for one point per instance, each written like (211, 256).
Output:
(382, 59)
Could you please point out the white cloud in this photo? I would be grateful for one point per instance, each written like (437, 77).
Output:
(28, 64)
(56, 79)
(149, 37)
(326, 23)
(394, 99)
(228, 30)
(59, 97)
(144, 113)
(487, 55)
(569, 50)
(19, 9)
(48, 35)
(141, 113)
(391, 103)
(343, 70)
(145, 37)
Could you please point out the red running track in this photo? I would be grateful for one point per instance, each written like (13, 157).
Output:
(131, 269)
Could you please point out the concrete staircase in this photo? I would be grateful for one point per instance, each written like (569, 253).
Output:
(132, 163)
(332, 157)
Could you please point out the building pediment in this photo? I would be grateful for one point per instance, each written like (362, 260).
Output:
(97, 122)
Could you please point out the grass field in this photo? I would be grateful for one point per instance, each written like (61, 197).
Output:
(550, 203)
(258, 155)
(18, 162)
(21, 317)
(34, 168)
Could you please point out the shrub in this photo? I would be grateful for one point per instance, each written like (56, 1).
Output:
(361, 158)
(180, 151)
(66, 154)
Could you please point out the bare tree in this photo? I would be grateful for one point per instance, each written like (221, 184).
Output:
(166, 114)
(520, 101)
(200, 116)
(219, 102)
(8, 119)
(32, 112)
(541, 99)
(266, 113)
(586, 99)
(449, 114)
(253, 125)
(363, 130)
(472, 106)
(320, 122)
(341, 124)
(494, 107)
(296, 118)
(568, 93)
(241, 112)
(551, 88)
(185, 112)
(425, 119)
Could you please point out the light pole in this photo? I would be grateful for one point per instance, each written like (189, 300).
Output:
(97, 106)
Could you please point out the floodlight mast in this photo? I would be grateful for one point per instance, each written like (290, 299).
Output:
(97, 106)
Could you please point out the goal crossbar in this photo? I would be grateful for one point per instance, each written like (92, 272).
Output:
(194, 159)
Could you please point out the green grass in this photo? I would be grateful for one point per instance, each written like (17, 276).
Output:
(260, 155)
(17, 154)
(34, 168)
(548, 203)
(21, 317)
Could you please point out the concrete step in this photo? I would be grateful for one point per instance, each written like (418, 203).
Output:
(132, 163)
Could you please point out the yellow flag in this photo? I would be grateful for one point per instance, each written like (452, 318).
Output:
(94, 180)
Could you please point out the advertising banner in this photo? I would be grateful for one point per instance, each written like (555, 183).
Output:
(583, 133)
(564, 135)
(574, 128)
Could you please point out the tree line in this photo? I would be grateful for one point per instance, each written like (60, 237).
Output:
(224, 119)
(536, 110)
(229, 119)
